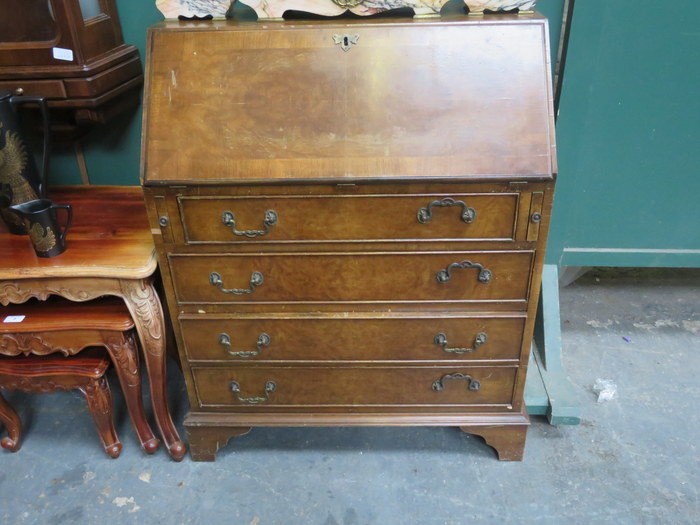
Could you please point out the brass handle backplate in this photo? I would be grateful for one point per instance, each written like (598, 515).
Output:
(472, 384)
(484, 275)
(270, 386)
(225, 341)
(229, 220)
(441, 341)
(256, 279)
(425, 214)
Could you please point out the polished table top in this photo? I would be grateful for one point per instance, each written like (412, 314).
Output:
(111, 239)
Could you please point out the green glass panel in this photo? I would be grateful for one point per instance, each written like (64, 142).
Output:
(90, 8)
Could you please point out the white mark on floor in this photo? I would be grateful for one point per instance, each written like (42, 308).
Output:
(600, 324)
(145, 477)
(691, 326)
(666, 322)
(122, 501)
(89, 476)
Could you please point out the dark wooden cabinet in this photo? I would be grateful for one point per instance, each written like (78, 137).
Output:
(73, 53)
(351, 237)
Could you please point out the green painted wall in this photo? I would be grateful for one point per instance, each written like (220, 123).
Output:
(112, 152)
(629, 137)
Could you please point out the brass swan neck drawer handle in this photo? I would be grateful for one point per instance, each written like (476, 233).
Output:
(256, 279)
(472, 384)
(441, 341)
(229, 220)
(425, 214)
(225, 341)
(270, 386)
(484, 275)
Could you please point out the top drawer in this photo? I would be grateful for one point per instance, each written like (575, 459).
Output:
(331, 218)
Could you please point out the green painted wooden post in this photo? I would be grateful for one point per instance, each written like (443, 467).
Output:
(548, 391)
(628, 135)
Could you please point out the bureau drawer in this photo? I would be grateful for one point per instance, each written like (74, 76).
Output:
(352, 277)
(352, 337)
(269, 387)
(331, 218)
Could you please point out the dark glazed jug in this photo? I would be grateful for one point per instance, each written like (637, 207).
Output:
(40, 218)
(19, 179)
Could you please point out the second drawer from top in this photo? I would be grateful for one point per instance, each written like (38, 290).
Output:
(454, 276)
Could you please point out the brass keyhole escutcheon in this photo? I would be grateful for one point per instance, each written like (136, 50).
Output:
(346, 41)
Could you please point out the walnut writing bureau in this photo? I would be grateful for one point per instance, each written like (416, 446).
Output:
(350, 216)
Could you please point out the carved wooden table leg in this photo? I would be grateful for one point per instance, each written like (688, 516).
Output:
(13, 425)
(124, 353)
(99, 400)
(147, 313)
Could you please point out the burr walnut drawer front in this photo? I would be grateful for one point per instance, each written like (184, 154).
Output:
(353, 337)
(352, 277)
(333, 387)
(331, 218)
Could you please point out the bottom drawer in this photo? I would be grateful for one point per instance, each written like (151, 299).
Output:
(368, 387)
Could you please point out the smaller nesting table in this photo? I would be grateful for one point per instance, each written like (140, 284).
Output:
(46, 374)
(39, 334)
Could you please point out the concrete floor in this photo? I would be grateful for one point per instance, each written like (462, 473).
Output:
(634, 459)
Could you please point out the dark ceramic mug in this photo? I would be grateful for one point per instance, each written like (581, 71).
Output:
(41, 219)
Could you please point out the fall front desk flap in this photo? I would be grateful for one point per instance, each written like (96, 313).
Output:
(329, 100)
